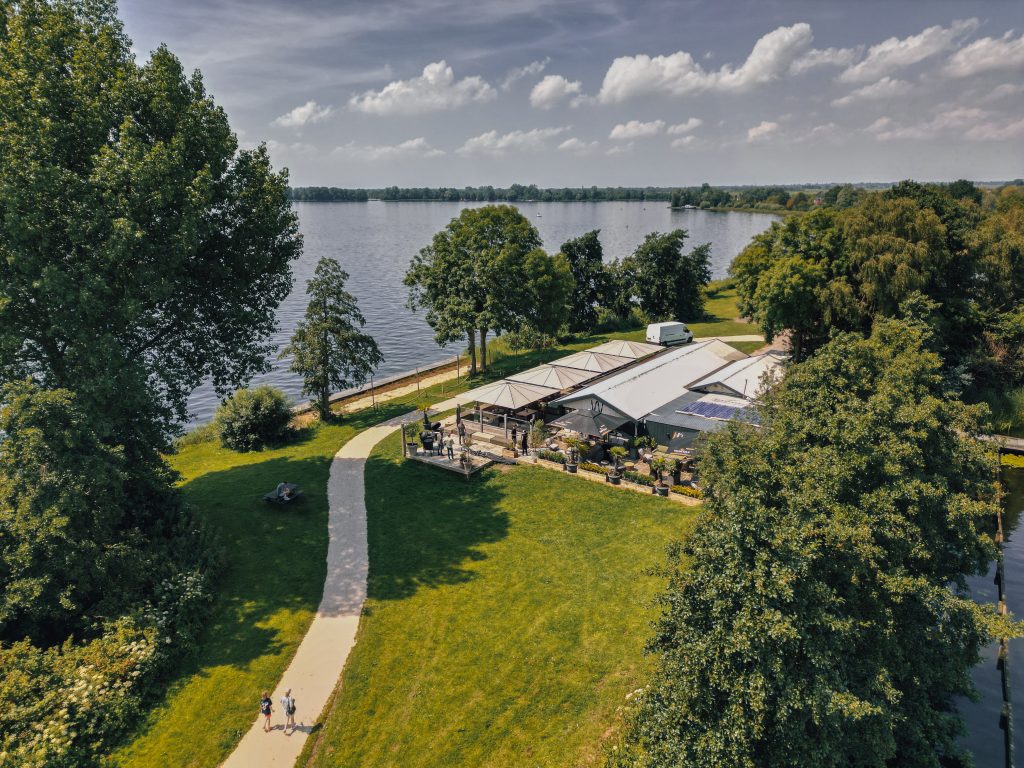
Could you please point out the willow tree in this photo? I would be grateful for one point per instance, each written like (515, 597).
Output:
(329, 349)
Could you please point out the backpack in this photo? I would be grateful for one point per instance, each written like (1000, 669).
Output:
(265, 706)
(290, 708)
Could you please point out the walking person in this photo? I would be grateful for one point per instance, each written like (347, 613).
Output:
(462, 433)
(525, 434)
(288, 705)
(449, 443)
(513, 438)
(266, 709)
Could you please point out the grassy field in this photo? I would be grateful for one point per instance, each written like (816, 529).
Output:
(505, 620)
(269, 591)
(267, 595)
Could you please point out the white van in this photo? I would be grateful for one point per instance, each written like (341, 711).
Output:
(668, 334)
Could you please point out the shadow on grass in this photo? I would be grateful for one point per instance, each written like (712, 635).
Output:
(426, 524)
(275, 553)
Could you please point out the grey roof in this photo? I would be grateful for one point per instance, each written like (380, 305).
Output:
(672, 414)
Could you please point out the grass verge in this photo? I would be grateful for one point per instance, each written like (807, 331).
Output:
(505, 620)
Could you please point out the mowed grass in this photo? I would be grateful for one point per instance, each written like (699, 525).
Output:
(505, 622)
(267, 594)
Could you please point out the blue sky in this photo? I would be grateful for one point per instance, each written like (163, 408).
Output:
(563, 93)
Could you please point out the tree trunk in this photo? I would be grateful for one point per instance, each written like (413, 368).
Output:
(471, 335)
(483, 349)
(325, 404)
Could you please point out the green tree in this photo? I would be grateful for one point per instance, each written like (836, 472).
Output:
(818, 615)
(549, 284)
(80, 535)
(469, 279)
(329, 349)
(668, 282)
(141, 251)
(590, 279)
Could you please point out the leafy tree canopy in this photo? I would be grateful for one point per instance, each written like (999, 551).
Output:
(669, 283)
(809, 619)
(586, 261)
(140, 250)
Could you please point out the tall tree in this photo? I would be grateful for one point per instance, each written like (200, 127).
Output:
(548, 280)
(818, 616)
(329, 349)
(590, 278)
(140, 250)
(668, 282)
(466, 279)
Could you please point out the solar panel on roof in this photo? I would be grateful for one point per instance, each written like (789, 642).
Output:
(710, 410)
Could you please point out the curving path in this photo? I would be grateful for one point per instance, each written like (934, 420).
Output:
(321, 656)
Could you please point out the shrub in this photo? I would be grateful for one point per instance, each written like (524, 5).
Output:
(528, 338)
(253, 418)
(685, 490)
(638, 477)
(591, 467)
(555, 456)
(201, 434)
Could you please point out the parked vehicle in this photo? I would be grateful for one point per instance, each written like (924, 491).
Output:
(669, 334)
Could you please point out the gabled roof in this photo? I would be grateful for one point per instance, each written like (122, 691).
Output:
(555, 376)
(507, 394)
(743, 378)
(644, 387)
(633, 349)
(589, 360)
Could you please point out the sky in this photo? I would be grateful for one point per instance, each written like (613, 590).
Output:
(613, 92)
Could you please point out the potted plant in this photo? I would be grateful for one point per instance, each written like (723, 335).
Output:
(537, 436)
(410, 444)
(676, 468)
(572, 459)
(658, 466)
(618, 453)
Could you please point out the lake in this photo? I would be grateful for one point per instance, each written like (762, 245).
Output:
(375, 241)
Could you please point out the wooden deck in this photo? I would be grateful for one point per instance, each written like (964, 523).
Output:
(1006, 443)
(478, 462)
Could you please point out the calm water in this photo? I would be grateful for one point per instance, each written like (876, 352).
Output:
(375, 241)
(984, 738)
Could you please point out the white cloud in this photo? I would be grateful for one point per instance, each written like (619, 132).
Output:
(986, 54)
(761, 132)
(683, 142)
(678, 74)
(635, 129)
(578, 146)
(493, 143)
(960, 121)
(436, 89)
(818, 57)
(417, 147)
(996, 131)
(533, 68)
(894, 53)
(823, 132)
(886, 88)
(310, 112)
(680, 128)
(1003, 92)
(621, 149)
(552, 90)
(297, 147)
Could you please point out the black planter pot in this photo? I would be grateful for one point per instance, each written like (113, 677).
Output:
(661, 490)
(570, 468)
(614, 479)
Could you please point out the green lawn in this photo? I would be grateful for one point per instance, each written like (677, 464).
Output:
(505, 620)
(273, 579)
(267, 594)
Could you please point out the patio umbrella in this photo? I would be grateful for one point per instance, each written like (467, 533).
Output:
(554, 376)
(588, 422)
(507, 394)
(633, 349)
(592, 361)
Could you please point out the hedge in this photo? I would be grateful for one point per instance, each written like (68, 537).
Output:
(685, 490)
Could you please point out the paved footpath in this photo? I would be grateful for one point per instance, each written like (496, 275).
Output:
(321, 656)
